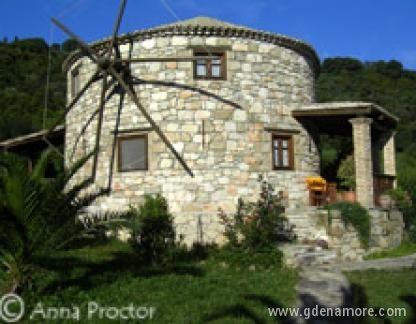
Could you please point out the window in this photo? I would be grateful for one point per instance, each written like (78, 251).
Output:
(132, 153)
(75, 85)
(282, 152)
(211, 68)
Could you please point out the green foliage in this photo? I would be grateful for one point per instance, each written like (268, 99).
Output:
(332, 150)
(357, 216)
(244, 259)
(255, 225)
(37, 215)
(406, 166)
(401, 198)
(391, 86)
(406, 248)
(385, 83)
(111, 274)
(153, 235)
(382, 289)
(23, 65)
(346, 172)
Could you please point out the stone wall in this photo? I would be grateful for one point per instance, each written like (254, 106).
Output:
(386, 232)
(386, 229)
(266, 80)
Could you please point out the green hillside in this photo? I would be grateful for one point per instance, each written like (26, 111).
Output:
(385, 83)
(23, 70)
(23, 66)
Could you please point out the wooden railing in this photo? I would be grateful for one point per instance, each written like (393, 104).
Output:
(382, 182)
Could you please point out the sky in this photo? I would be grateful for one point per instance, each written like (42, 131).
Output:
(365, 29)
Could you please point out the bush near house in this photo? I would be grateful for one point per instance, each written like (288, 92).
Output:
(254, 230)
(153, 234)
(357, 216)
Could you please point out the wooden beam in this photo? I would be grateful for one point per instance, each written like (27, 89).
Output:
(331, 112)
(133, 130)
(281, 130)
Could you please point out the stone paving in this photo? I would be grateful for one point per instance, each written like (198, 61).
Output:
(408, 261)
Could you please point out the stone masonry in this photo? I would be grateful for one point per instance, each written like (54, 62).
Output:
(389, 156)
(361, 128)
(223, 129)
(264, 79)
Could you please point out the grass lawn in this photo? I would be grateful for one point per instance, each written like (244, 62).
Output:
(388, 289)
(188, 292)
(407, 247)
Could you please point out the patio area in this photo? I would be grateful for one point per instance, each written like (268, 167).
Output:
(372, 129)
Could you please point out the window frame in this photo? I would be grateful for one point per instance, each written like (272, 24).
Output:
(75, 81)
(290, 149)
(119, 152)
(208, 63)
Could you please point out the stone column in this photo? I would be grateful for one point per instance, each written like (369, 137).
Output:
(361, 131)
(389, 156)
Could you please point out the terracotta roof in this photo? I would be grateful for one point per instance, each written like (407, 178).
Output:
(206, 26)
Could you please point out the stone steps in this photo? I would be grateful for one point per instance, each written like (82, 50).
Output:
(299, 255)
(305, 222)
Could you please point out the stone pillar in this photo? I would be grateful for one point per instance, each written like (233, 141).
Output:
(361, 131)
(389, 157)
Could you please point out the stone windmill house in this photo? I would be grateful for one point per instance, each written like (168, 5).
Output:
(253, 117)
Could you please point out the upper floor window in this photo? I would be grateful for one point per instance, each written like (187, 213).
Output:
(75, 82)
(210, 68)
(132, 153)
(282, 152)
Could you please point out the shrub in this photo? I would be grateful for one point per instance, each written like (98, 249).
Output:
(255, 225)
(346, 172)
(357, 216)
(401, 197)
(153, 234)
(239, 258)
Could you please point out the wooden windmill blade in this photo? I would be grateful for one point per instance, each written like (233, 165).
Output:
(116, 128)
(99, 125)
(114, 42)
(73, 102)
(138, 81)
(83, 46)
(102, 64)
(114, 144)
(133, 96)
(110, 63)
(166, 59)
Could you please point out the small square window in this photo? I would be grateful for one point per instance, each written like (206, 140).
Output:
(132, 153)
(210, 68)
(282, 152)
